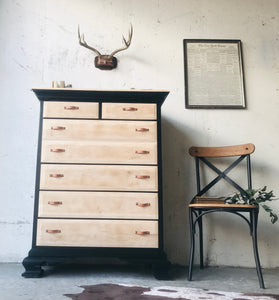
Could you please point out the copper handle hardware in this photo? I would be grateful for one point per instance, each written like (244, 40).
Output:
(142, 232)
(142, 152)
(142, 176)
(56, 175)
(54, 202)
(57, 150)
(58, 128)
(142, 129)
(130, 109)
(71, 107)
(142, 204)
(53, 231)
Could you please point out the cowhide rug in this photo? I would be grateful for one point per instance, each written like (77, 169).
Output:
(127, 292)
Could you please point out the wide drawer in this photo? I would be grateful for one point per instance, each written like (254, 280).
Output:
(59, 109)
(129, 111)
(96, 130)
(99, 177)
(99, 152)
(97, 233)
(115, 205)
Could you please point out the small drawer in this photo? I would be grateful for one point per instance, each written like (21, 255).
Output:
(129, 111)
(99, 177)
(82, 110)
(99, 130)
(101, 205)
(97, 233)
(99, 152)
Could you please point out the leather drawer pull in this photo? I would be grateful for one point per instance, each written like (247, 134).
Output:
(58, 128)
(142, 232)
(142, 152)
(130, 109)
(142, 176)
(55, 202)
(53, 231)
(71, 107)
(57, 150)
(142, 204)
(56, 175)
(142, 129)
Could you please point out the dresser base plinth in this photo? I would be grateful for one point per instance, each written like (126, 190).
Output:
(39, 258)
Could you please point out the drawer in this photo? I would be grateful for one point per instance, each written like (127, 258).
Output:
(115, 205)
(99, 152)
(99, 177)
(54, 129)
(81, 110)
(97, 233)
(129, 111)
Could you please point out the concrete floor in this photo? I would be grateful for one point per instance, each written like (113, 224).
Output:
(67, 280)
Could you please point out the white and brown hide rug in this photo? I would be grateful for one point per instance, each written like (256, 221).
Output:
(128, 292)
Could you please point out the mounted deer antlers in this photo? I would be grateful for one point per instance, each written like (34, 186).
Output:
(106, 61)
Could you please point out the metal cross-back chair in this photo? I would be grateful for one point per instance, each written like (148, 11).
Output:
(201, 205)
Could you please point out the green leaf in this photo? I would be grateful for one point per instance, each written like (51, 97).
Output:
(252, 196)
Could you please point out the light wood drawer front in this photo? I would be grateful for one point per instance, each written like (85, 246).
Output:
(99, 130)
(129, 111)
(99, 177)
(99, 152)
(115, 205)
(97, 233)
(71, 110)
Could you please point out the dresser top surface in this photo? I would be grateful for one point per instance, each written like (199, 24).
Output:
(87, 95)
(100, 90)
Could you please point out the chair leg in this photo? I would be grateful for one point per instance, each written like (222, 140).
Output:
(254, 220)
(192, 244)
(201, 240)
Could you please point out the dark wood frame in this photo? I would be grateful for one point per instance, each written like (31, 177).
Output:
(188, 104)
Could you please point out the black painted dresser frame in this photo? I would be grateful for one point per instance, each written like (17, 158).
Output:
(40, 256)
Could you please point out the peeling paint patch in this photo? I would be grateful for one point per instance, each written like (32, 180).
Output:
(14, 223)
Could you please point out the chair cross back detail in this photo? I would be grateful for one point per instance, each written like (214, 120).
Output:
(202, 153)
(200, 205)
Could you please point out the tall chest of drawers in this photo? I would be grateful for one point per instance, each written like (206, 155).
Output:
(98, 186)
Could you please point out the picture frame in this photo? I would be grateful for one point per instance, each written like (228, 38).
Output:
(214, 75)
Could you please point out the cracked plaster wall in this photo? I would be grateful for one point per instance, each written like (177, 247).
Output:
(39, 44)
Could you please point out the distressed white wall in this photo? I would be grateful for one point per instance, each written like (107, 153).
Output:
(39, 44)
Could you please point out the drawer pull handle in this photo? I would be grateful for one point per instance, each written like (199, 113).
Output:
(57, 150)
(142, 152)
(142, 176)
(55, 202)
(142, 232)
(56, 175)
(130, 109)
(53, 231)
(142, 204)
(142, 129)
(58, 128)
(71, 107)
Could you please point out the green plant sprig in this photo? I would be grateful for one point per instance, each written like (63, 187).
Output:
(252, 197)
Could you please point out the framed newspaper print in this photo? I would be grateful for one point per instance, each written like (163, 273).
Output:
(213, 74)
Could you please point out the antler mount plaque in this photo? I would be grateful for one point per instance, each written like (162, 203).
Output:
(106, 61)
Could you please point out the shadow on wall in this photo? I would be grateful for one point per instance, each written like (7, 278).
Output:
(178, 189)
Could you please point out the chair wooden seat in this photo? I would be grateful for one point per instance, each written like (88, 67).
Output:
(223, 205)
(201, 205)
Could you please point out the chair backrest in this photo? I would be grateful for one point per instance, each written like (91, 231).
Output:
(202, 153)
(222, 151)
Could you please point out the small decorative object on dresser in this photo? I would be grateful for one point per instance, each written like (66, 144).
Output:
(98, 187)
